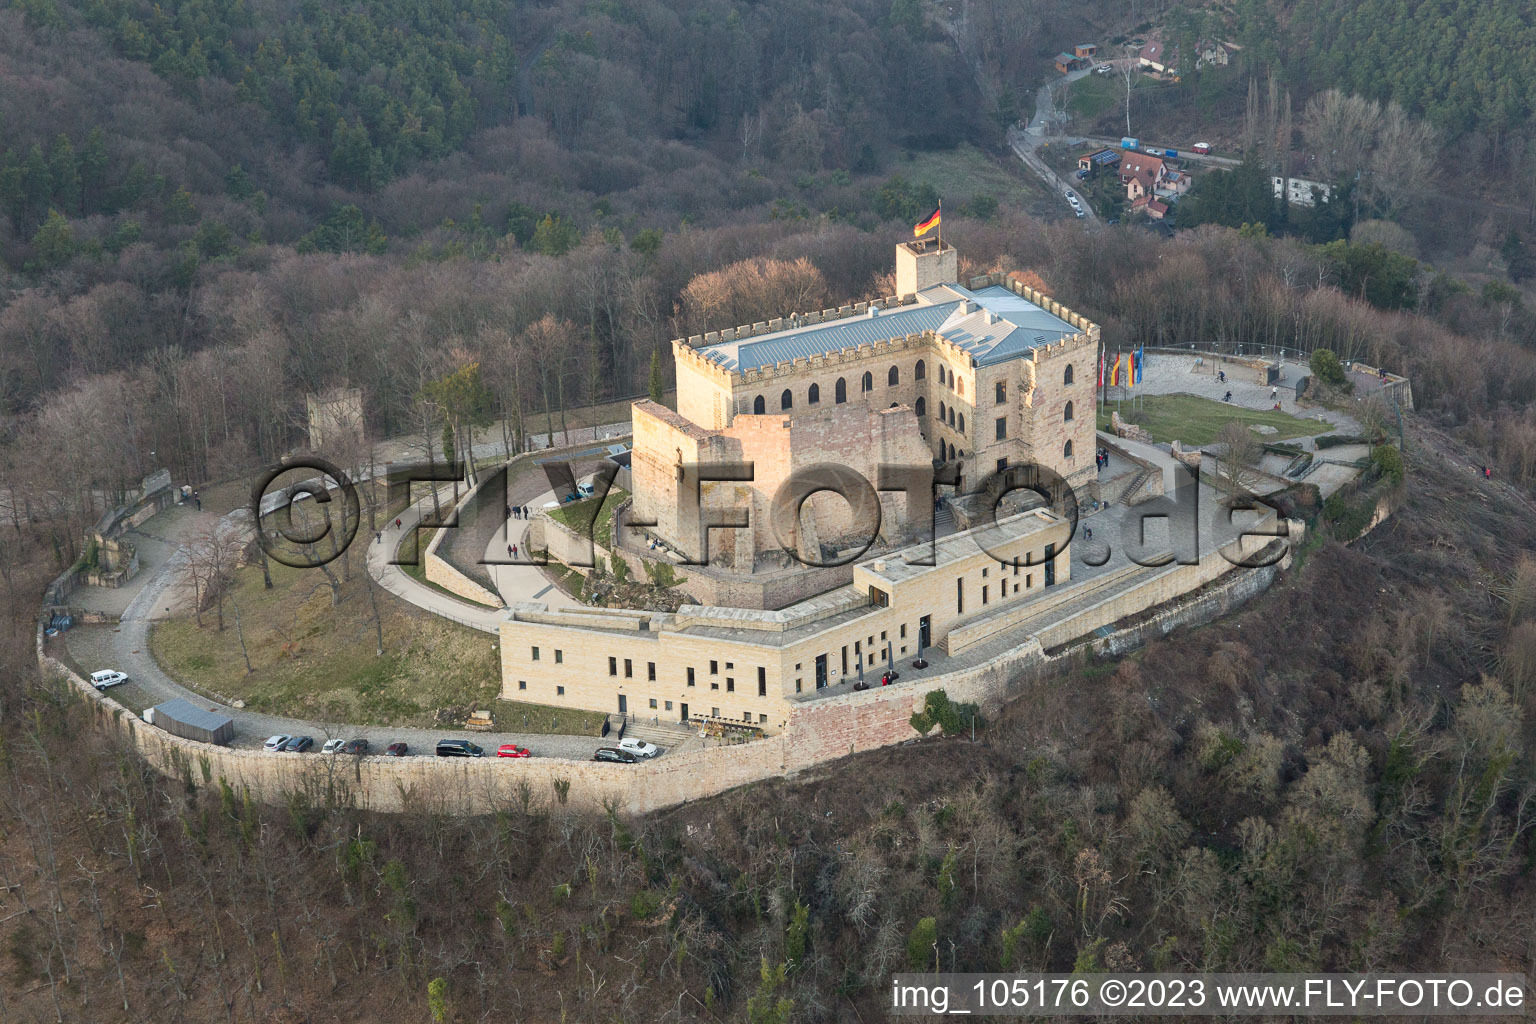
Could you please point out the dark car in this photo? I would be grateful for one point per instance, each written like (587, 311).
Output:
(615, 755)
(397, 750)
(459, 748)
(298, 744)
(358, 746)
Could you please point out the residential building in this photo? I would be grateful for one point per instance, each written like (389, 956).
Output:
(1300, 191)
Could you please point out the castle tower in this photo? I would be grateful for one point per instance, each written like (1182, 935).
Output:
(923, 263)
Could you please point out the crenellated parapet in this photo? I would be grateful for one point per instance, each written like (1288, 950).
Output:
(790, 322)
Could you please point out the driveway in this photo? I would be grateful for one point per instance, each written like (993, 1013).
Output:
(126, 648)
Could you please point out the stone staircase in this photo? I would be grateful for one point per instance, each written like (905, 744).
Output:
(943, 521)
(667, 735)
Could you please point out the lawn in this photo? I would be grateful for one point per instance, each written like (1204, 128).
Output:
(1092, 95)
(579, 514)
(965, 172)
(315, 661)
(1194, 420)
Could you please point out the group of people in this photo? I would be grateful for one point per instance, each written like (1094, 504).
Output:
(517, 512)
(1487, 472)
(1101, 458)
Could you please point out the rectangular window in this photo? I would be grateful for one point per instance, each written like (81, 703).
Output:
(669, 705)
(613, 666)
(1002, 464)
(714, 712)
(653, 703)
(762, 682)
(882, 634)
(629, 669)
(730, 685)
(984, 595)
(845, 659)
(762, 719)
(522, 684)
(1029, 580)
(559, 691)
(714, 668)
(797, 686)
(959, 597)
(714, 686)
(730, 665)
(535, 654)
(690, 675)
(1002, 392)
(984, 573)
(559, 656)
(746, 716)
(1002, 430)
(650, 671)
(903, 630)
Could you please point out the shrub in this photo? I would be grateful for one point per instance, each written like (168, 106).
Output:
(1327, 368)
(920, 943)
(952, 717)
(1389, 461)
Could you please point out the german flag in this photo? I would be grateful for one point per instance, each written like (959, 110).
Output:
(919, 230)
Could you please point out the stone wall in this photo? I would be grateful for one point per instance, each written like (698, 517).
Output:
(816, 732)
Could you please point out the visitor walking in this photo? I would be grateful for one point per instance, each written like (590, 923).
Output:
(1274, 394)
(1228, 397)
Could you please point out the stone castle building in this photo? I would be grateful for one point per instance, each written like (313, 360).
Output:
(964, 379)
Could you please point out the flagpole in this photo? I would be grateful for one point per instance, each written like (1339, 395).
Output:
(941, 227)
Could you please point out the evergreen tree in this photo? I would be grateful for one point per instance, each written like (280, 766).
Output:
(94, 160)
(54, 243)
(657, 386)
(64, 170)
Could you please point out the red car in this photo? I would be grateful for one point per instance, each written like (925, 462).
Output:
(513, 750)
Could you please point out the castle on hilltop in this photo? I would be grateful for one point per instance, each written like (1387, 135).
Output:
(964, 379)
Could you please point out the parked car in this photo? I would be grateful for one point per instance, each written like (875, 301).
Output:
(333, 746)
(585, 490)
(298, 744)
(108, 677)
(459, 748)
(276, 742)
(1081, 213)
(615, 755)
(397, 750)
(358, 746)
(513, 750)
(1082, 173)
(639, 747)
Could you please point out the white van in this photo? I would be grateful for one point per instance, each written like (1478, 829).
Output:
(108, 677)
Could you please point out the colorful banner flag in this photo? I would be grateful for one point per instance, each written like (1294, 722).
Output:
(1101, 369)
(921, 229)
(1114, 371)
(1141, 360)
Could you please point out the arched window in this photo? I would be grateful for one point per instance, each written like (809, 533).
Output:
(1066, 416)
(814, 396)
(961, 427)
(893, 378)
(786, 400)
(920, 371)
(951, 415)
(941, 412)
(1066, 450)
(951, 453)
(922, 407)
(759, 406)
(869, 381)
(1066, 377)
(1002, 392)
(840, 391)
(959, 388)
(947, 375)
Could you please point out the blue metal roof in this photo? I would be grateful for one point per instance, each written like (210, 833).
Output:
(819, 339)
(958, 314)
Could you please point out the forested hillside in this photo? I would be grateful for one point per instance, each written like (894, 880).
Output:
(205, 125)
(1465, 65)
